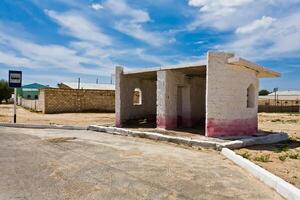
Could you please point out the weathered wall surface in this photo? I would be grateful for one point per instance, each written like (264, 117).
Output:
(35, 105)
(69, 100)
(226, 98)
(198, 86)
(125, 109)
(180, 99)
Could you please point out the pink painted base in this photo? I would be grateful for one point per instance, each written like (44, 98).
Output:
(217, 128)
(166, 122)
(118, 122)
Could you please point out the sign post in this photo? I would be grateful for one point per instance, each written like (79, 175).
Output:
(15, 81)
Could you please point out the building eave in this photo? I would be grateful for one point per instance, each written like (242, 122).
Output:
(262, 72)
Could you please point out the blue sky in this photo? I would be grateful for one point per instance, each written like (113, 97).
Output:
(60, 40)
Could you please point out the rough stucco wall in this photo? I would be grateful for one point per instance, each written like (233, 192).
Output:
(226, 98)
(198, 86)
(125, 110)
(168, 82)
(69, 100)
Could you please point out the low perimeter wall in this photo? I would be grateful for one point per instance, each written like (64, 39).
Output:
(35, 105)
(77, 100)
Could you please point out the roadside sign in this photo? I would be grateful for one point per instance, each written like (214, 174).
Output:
(15, 79)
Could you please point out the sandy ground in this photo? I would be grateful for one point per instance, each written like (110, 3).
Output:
(80, 119)
(282, 159)
(60, 164)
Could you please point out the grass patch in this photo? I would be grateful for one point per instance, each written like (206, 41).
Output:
(276, 120)
(246, 155)
(294, 156)
(282, 148)
(291, 121)
(263, 158)
(282, 157)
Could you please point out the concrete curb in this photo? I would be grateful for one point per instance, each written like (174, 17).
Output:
(273, 138)
(39, 126)
(154, 136)
(268, 139)
(287, 190)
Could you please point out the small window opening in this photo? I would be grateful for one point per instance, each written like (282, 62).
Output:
(28, 96)
(36, 96)
(137, 97)
(297, 102)
(251, 96)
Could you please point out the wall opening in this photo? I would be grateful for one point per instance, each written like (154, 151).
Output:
(137, 97)
(251, 96)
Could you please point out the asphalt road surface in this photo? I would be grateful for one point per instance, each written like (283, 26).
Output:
(58, 164)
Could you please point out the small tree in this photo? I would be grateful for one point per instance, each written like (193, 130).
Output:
(263, 93)
(5, 91)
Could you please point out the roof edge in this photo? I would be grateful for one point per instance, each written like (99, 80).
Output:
(263, 72)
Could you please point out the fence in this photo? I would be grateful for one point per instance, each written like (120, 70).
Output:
(272, 105)
(34, 105)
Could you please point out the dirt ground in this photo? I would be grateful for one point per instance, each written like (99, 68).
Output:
(80, 119)
(282, 159)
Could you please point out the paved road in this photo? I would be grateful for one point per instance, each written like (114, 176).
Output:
(101, 166)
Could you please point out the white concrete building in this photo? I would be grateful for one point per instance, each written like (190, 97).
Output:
(217, 96)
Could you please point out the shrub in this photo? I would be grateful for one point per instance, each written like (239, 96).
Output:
(263, 158)
(294, 156)
(246, 155)
(282, 157)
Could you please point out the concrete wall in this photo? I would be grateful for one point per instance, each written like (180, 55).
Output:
(180, 99)
(35, 105)
(198, 96)
(226, 98)
(125, 108)
(69, 100)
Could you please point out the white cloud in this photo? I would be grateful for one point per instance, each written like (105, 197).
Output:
(279, 40)
(262, 23)
(131, 21)
(13, 60)
(137, 31)
(121, 8)
(218, 7)
(79, 27)
(96, 6)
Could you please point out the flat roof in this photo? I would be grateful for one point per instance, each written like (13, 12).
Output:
(179, 66)
(262, 72)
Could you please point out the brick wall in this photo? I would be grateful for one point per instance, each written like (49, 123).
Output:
(70, 100)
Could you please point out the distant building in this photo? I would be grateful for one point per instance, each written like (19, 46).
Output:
(85, 86)
(30, 91)
(283, 95)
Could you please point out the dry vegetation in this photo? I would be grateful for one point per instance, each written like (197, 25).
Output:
(282, 159)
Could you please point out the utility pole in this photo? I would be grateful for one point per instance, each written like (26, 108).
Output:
(78, 83)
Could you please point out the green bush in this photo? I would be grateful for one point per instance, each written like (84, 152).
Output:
(263, 158)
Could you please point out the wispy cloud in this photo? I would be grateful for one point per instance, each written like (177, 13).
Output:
(130, 21)
(263, 23)
(78, 26)
(96, 6)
